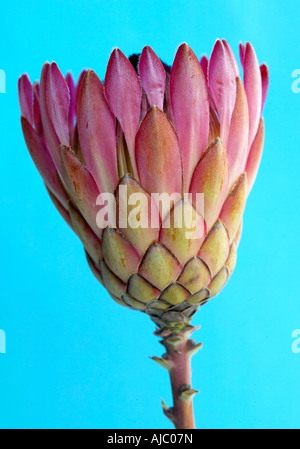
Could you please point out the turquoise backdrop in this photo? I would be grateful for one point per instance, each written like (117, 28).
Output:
(74, 359)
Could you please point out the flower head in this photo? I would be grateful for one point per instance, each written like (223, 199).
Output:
(193, 128)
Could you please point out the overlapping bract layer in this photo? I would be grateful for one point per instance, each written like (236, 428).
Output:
(192, 128)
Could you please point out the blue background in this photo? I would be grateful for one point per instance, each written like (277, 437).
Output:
(74, 358)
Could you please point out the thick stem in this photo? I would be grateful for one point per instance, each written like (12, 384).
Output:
(177, 360)
(180, 376)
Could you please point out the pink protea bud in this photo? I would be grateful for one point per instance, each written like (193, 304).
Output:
(149, 141)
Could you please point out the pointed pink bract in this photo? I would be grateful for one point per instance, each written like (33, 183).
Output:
(210, 178)
(253, 88)
(123, 91)
(237, 147)
(153, 77)
(242, 50)
(231, 58)
(222, 85)
(37, 118)
(191, 109)
(158, 155)
(204, 66)
(254, 157)
(54, 103)
(72, 109)
(97, 133)
(26, 98)
(81, 187)
(43, 161)
(264, 71)
(78, 86)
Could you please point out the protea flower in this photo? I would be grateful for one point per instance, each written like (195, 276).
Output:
(193, 128)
